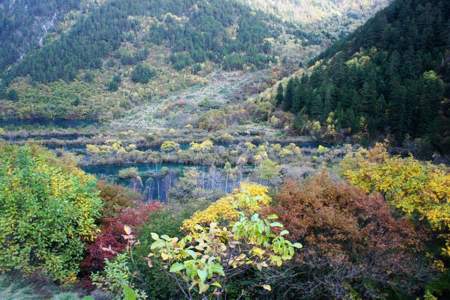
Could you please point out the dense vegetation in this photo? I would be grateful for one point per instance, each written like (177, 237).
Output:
(319, 238)
(24, 24)
(220, 199)
(390, 77)
(222, 31)
(47, 211)
(322, 16)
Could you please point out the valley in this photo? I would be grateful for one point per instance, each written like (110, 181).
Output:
(224, 149)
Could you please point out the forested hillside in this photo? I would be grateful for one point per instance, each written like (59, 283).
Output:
(391, 77)
(94, 60)
(25, 23)
(331, 18)
(222, 31)
(77, 71)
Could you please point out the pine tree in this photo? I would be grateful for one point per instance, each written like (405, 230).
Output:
(279, 98)
(290, 94)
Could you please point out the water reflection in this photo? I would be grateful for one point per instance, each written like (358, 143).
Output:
(155, 180)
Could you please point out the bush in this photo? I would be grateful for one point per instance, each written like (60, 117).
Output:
(111, 240)
(116, 198)
(352, 243)
(156, 284)
(218, 246)
(128, 173)
(142, 74)
(117, 278)
(181, 60)
(48, 209)
(114, 84)
(415, 188)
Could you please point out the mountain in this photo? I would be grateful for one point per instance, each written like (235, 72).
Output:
(95, 60)
(332, 18)
(389, 78)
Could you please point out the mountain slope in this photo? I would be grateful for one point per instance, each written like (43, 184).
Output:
(24, 24)
(99, 59)
(333, 18)
(204, 29)
(389, 77)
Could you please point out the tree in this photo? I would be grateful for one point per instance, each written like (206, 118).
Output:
(353, 245)
(218, 247)
(142, 74)
(290, 94)
(268, 170)
(114, 84)
(279, 98)
(49, 210)
(407, 184)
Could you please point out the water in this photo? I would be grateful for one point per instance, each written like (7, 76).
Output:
(155, 180)
(40, 122)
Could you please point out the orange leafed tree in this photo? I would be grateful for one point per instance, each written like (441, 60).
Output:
(352, 242)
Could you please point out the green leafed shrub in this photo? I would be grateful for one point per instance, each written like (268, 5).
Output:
(142, 74)
(48, 209)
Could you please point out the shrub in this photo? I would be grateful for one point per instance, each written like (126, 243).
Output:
(249, 198)
(114, 84)
(413, 187)
(353, 244)
(156, 284)
(269, 171)
(170, 146)
(15, 290)
(181, 60)
(219, 247)
(129, 173)
(117, 278)
(116, 198)
(142, 74)
(111, 240)
(47, 211)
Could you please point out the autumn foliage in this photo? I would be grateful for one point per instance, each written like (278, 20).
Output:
(110, 241)
(48, 210)
(116, 198)
(415, 188)
(352, 242)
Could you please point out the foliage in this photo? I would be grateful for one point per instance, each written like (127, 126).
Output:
(142, 74)
(389, 77)
(114, 84)
(117, 279)
(204, 146)
(268, 170)
(206, 35)
(249, 199)
(156, 284)
(15, 290)
(48, 209)
(413, 187)
(116, 198)
(112, 238)
(210, 256)
(170, 146)
(20, 31)
(129, 173)
(212, 253)
(353, 244)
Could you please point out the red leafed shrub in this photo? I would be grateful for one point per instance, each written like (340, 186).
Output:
(352, 242)
(111, 239)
